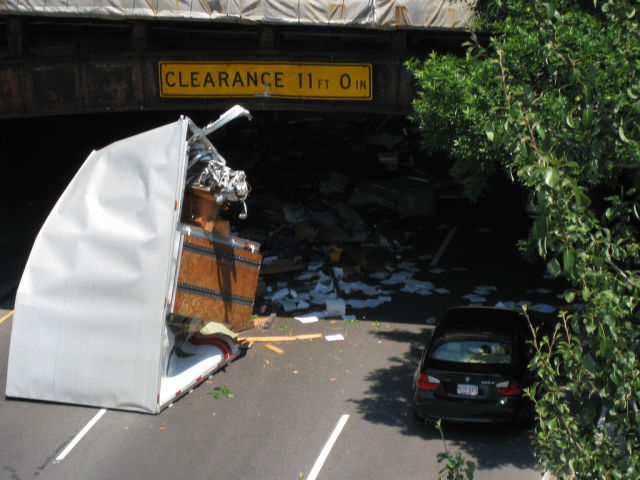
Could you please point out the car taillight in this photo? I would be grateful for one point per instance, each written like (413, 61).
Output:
(510, 387)
(427, 382)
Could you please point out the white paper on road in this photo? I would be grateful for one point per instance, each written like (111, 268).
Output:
(303, 305)
(472, 297)
(321, 299)
(408, 267)
(306, 276)
(369, 302)
(289, 305)
(307, 318)
(397, 278)
(338, 272)
(379, 275)
(350, 287)
(417, 286)
(280, 294)
(485, 290)
(334, 337)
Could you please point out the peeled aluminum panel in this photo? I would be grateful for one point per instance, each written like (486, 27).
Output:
(90, 308)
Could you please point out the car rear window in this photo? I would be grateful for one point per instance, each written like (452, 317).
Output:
(473, 348)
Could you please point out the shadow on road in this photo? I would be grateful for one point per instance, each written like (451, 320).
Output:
(388, 401)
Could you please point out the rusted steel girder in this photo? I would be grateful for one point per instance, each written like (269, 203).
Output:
(52, 67)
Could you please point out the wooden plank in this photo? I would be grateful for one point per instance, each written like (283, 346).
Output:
(308, 336)
(279, 351)
(206, 308)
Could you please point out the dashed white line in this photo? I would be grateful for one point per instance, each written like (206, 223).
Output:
(79, 436)
(327, 448)
(443, 247)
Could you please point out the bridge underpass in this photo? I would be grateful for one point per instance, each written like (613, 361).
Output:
(328, 74)
(63, 58)
(70, 85)
(73, 83)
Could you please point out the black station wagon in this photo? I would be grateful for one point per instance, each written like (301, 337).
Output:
(474, 367)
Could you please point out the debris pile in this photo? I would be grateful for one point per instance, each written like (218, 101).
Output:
(341, 231)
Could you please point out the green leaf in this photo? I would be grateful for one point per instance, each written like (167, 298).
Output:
(622, 135)
(554, 267)
(569, 259)
(551, 177)
(588, 363)
(569, 296)
(490, 134)
(587, 117)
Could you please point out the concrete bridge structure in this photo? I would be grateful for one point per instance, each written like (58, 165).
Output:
(80, 56)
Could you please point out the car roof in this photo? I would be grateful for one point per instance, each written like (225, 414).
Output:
(486, 319)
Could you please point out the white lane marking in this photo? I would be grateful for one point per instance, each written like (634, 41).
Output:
(6, 316)
(327, 447)
(80, 434)
(443, 247)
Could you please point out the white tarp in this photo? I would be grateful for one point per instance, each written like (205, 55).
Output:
(383, 14)
(90, 309)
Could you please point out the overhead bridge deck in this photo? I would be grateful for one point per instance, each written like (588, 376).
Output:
(61, 57)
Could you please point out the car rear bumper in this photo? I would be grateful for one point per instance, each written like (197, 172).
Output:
(503, 409)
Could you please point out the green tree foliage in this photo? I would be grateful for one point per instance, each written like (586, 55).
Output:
(553, 98)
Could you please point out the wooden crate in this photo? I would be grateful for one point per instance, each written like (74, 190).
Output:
(217, 282)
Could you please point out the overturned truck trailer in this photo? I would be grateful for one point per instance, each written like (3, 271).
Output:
(134, 288)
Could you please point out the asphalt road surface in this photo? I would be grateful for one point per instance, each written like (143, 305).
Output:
(326, 410)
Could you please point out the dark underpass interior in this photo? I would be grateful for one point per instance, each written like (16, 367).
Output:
(324, 186)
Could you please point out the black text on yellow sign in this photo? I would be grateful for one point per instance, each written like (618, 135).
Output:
(320, 81)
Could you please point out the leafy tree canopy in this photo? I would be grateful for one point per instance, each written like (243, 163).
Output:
(550, 94)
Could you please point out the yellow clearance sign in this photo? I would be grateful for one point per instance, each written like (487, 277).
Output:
(320, 81)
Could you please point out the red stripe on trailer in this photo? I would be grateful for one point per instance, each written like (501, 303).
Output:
(223, 346)
(214, 341)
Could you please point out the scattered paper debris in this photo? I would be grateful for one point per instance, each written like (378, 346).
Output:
(484, 290)
(473, 298)
(307, 318)
(280, 294)
(334, 337)
(335, 308)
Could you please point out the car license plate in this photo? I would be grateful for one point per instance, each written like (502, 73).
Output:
(465, 389)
